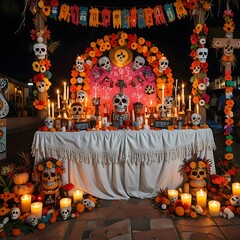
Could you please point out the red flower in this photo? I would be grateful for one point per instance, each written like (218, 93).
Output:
(38, 78)
(194, 39)
(68, 187)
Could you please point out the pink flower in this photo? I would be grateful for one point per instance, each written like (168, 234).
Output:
(206, 97)
(228, 12)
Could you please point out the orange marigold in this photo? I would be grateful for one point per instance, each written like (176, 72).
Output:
(73, 81)
(228, 156)
(229, 142)
(229, 121)
(195, 99)
(134, 46)
(16, 232)
(74, 73)
(230, 102)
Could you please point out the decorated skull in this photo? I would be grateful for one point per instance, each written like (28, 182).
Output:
(40, 49)
(50, 179)
(105, 63)
(161, 108)
(79, 64)
(81, 97)
(42, 86)
(163, 64)
(235, 200)
(168, 102)
(201, 54)
(32, 220)
(120, 102)
(66, 212)
(48, 121)
(196, 119)
(88, 203)
(15, 213)
(76, 110)
(196, 69)
(228, 50)
(139, 62)
(198, 175)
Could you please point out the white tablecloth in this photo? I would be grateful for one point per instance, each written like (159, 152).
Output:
(123, 164)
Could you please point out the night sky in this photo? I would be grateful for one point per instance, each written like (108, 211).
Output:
(173, 40)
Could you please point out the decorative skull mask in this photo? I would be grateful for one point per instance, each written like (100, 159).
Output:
(235, 200)
(66, 212)
(42, 86)
(198, 174)
(104, 62)
(138, 63)
(76, 110)
(88, 203)
(40, 49)
(202, 54)
(163, 64)
(81, 97)
(32, 220)
(50, 179)
(15, 213)
(120, 102)
(49, 122)
(196, 69)
(196, 119)
(79, 64)
(168, 102)
(228, 50)
(161, 108)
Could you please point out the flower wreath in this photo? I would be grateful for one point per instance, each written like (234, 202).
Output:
(130, 41)
(48, 164)
(199, 80)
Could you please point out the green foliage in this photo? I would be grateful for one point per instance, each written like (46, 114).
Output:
(52, 46)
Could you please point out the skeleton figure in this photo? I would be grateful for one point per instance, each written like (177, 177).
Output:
(138, 63)
(81, 97)
(79, 64)
(66, 212)
(163, 64)
(196, 119)
(40, 49)
(32, 220)
(202, 54)
(15, 213)
(105, 63)
(50, 179)
(168, 102)
(76, 110)
(49, 122)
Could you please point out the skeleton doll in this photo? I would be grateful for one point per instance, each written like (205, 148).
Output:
(81, 97)
(168, 102)
(196, 119)
(162, 110)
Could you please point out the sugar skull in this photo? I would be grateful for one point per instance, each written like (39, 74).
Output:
(42, 86)
(79, 64)
(138, 63)
(88, 203)
(163, 64)
(162, 109)
(32, 220)
(50, 179)
(235, 200)
(201, 54)
(40, 49)
(15, 213)
(120, 102)
(49, 122)
(105, 63)
(66, 212)
(168, 102)
(196, 119)
(81, 97)
(76, 110)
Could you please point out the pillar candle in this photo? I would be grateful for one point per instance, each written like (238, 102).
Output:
(58, 99)
(176, 86)
(172, 194)
(26, 203)
(67, 94)
(197, 108)
(77, 196)
(214, 208)
(146, 121)
(201, 198)
(36, 209)
(190, 103)
(178, 103)
(133, 116)
(175, 112)
(162, 94)
(65, 202)
(183, 97)
(53, 110)
(64, 91)
(186, 198)
(49, 113)
(100, 124)
(236, 188)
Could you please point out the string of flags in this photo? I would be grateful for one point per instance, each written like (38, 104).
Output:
(118, 18)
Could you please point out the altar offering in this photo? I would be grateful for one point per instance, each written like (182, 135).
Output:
(201, 198)
(36, 209)
(26, 203)
(186, 198)
(214, 208)
(77, 196)
(65, 202)
(236, 188)
(172, 194)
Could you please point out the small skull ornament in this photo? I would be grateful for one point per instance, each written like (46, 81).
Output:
(49, 122)
(40, 49)
(66, 212)
(163, 64)
(79, 64)
(76, 110)
(105, 63)
(138, 63)
(196, 69)
(32, 220)
(88, 203)
(201, 54)
(120, 102)
(196, 119)
(168, 102)
(42, 86)
(235, 201)
(50, 179)
(15, 213)
(81, 97)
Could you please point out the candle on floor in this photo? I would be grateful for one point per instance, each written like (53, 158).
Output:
(77, 196)
(236, 188)
(214, 208)
(26, 203)
(201, 198)
(36, 209)
(65, 202)
(186, 198)
(172, 194)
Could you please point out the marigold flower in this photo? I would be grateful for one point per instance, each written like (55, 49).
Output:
(192, 165)
(229, 121)
(121, 42)
(201, 164)
(92, 53)
(228, 142)
(228, 156)
(195, 99)
(141, 40)
(36, 66)
(229, 27)
(198, 28)
(40, 167)
(49, 164)
(46, 10)
(93, 44)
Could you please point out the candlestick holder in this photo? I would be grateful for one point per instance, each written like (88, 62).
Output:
(183, 107)
(96, 104)
(189, 113)
(64, 110)
(58, 110)
(151, 116)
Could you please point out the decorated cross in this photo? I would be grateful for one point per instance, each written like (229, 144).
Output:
(121, 84)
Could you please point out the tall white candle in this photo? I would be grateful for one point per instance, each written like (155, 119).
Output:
(67, 94)
(176, 86)
(64, 91)
(36, 209)
(58, 99)
(175, 112)
(162, 94)
(178, 103)
(190, 103)
(52, 110)
(183, 97)
(133, 116)
(197, 108)
(49, 113)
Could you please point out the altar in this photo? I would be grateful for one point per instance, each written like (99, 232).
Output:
(122, 164)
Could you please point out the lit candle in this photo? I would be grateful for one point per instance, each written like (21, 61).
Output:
(176, 86)
(197, 108)
(172, 194)
(183, 97)
(186, 198)
(100, 124)
(162, 94)
(49, 114)
(178, 103)
(146, 121)
(52, 110)
(236, 188)
(26, 203)
(86, 101)
(64, 91)
(36, 209)
(133, 116)
(201, 198)
(77, 196)
(65, 202)
(190, 103)
(175, 113)
(214, 208)
(150, 102)
(58, 99)
(67, 94)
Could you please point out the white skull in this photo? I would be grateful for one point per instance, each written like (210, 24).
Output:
(202, 54)
(196, 69)
(104, 62)
(48, 121)
(138, 63)
(228, 50)
(81, 97)
(79, 64)
(161, 108)
(42, 86)
(40, 50)
(15, 213)
(32, 220)
(196, 119)
(83, 16)
(76, 110)
(235, 201)
(168, 102)
(173, 199)
(66, 212)
(120, 102)
(163, 64)
(88, 203)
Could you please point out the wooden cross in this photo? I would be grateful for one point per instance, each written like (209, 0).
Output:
(121, 84)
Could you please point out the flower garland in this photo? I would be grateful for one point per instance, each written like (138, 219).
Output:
(80, 80)
(199, 67)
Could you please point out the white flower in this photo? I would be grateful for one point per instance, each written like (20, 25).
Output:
(201, 86)
(202, 102)
(79, 80)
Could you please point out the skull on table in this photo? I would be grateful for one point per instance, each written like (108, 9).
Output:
(120, 102)
(196, 119)
(50, 179)
(49, 122)
(66, 212)
(15, 213)
(76, 110)
(81, 97)
(168, 102)
(32, 220)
